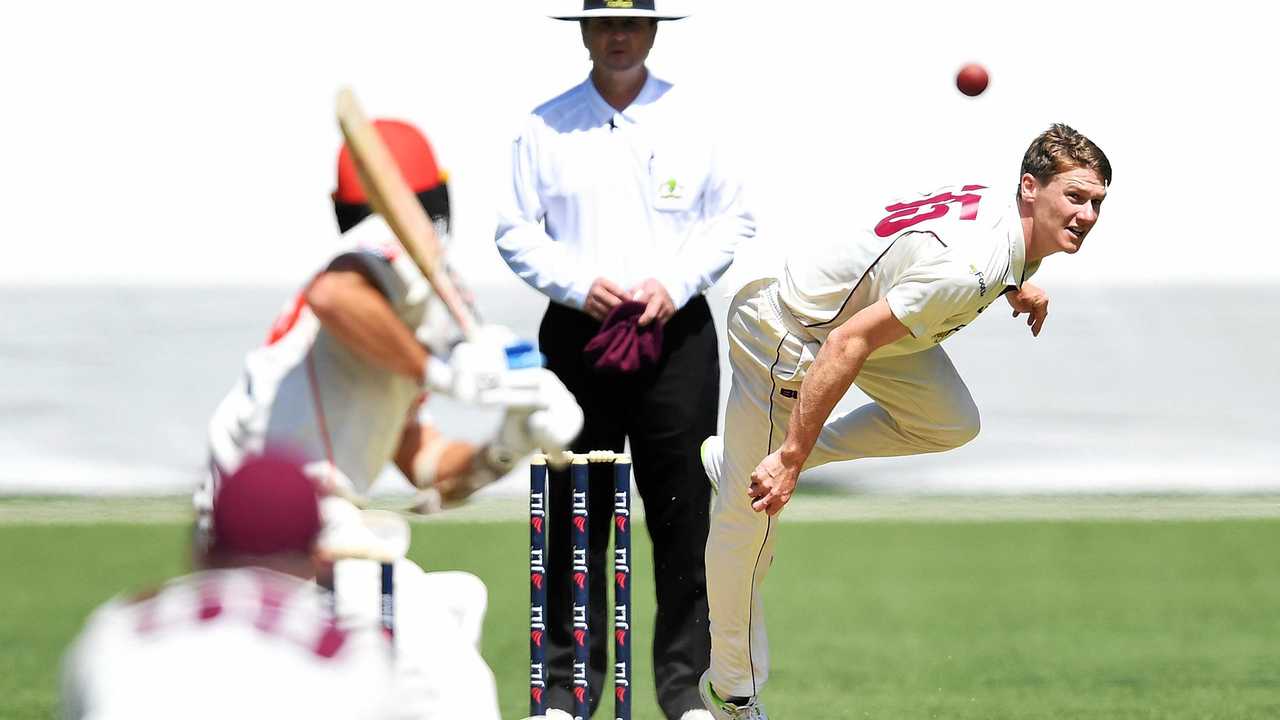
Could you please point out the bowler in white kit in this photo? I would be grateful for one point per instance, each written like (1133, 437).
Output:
(870, 306)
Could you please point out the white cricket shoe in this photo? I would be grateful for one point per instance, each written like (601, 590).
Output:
(697, 715)
(712, 454)
(745, 709)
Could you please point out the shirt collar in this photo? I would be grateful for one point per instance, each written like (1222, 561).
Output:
(1018, 269)
(604, 112)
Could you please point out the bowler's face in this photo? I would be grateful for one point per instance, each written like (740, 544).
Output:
(1066, 209)
(619, 43)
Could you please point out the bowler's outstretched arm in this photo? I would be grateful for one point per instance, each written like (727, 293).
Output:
(834, 369)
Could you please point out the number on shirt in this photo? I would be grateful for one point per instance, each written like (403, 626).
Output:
(904, 215)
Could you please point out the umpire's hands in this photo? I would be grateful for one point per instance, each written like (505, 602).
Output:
(772, 483)
(1034, 302)
(603, 296)
(658, 303)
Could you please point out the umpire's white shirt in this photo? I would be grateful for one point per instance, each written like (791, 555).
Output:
(626, 195)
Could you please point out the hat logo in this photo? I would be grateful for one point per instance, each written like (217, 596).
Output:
(671, 190)
(617, 8)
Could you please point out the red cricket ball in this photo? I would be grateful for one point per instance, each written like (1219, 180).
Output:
(972, 79)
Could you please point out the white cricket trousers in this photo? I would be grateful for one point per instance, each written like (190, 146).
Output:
(920, 406)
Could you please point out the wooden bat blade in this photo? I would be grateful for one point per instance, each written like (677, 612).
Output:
(393, 199)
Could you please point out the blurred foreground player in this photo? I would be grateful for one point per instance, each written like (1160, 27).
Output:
(347, 365)
(250, 636)
(871, 309)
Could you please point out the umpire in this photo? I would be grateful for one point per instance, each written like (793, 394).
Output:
(622, 211)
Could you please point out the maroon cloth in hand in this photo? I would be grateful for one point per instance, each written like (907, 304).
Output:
(622, 347)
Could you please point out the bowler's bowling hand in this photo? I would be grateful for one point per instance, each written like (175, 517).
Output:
(1034, 302)
(772, 483)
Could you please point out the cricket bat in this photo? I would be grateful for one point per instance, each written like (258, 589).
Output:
(393, 199)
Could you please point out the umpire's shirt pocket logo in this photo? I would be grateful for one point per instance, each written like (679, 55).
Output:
(670, 189)
(676, 182)
(671, 195)
(677, 178)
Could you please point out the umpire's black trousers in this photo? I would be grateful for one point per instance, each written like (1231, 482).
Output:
(665, 413)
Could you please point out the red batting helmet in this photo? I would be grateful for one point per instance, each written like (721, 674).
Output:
(417, 163)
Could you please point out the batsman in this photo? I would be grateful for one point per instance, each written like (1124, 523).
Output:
(347, 366)
(340, 383)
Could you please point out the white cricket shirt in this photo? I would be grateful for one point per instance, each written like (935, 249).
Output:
(624, 195)
(244, 643)
(306, 391)
(939, 259)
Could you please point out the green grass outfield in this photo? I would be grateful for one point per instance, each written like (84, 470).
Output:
(877, 608)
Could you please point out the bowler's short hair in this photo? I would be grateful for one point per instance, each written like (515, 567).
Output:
(1061, 148)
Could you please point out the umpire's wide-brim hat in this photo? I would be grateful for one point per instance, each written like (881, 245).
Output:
(619, 8)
